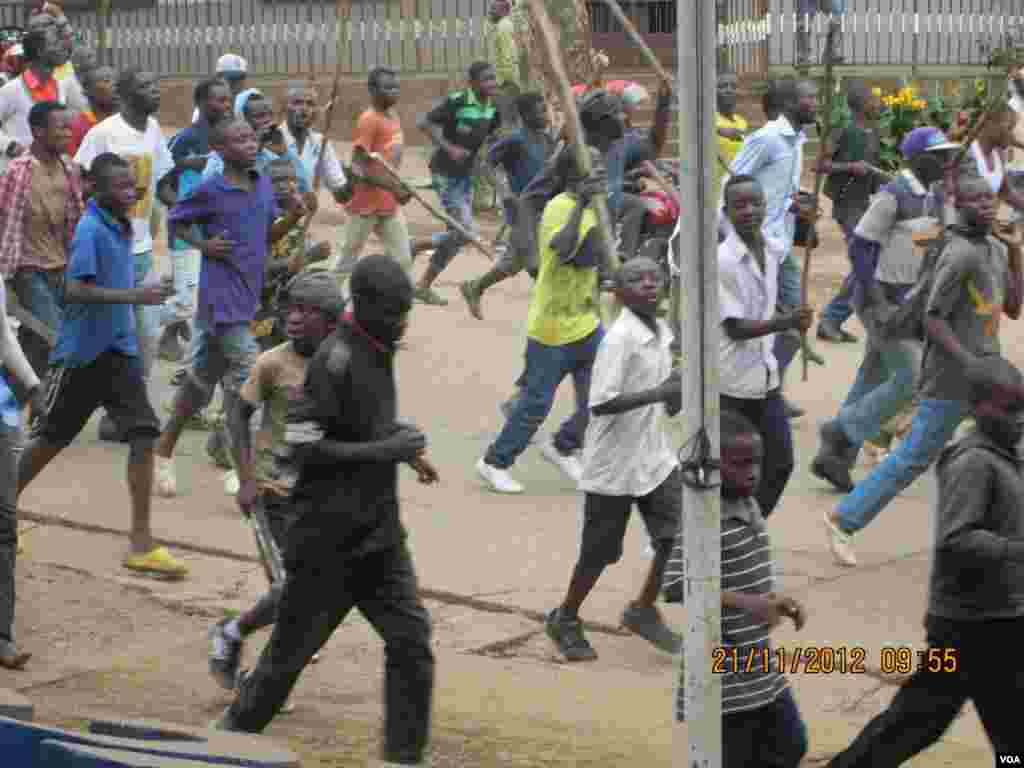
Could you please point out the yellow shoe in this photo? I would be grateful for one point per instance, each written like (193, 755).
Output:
(157, 562)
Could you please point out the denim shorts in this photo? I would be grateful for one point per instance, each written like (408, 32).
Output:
(224, 354)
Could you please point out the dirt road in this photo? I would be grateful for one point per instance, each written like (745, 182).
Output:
(106, 642)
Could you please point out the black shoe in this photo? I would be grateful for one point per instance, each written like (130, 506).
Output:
(108, 431)
(792, 411)
(646, 621)
(568, 635)
(832, 470)
(217, 450)
(225, 656)
(829, 331)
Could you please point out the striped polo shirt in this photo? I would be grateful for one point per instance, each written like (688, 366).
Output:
(747, 566)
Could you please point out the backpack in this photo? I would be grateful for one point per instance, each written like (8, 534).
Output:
(907, 322)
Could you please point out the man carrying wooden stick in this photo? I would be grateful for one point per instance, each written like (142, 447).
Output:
(378, 196)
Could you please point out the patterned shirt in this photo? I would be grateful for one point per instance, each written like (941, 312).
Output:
(747, 566)
(15, 193)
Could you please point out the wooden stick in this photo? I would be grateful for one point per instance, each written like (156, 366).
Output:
(573, 127)
(823, 148)
(638, 40)
(457, 226)
(343, 11)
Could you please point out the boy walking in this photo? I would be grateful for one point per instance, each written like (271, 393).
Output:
(347, 547)
(377, 198)
(748, 268)
(627, 461)
(522, 154)
(238, 221)
(761, 724)
(850, 186)
(97, 360)
(975, 603)
(563, 333)
(886, 263)
(975, 282)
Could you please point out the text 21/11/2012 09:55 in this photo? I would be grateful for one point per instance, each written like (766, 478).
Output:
(827, 660)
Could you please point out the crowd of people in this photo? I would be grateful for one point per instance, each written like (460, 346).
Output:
(300, 338)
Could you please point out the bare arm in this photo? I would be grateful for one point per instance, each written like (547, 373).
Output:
(743, 330)
(87, 292)
(239, 419)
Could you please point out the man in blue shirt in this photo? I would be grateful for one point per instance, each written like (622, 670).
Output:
(522, 153)
(235, 212)
(96, 361)
(774, 156)
(190, 149)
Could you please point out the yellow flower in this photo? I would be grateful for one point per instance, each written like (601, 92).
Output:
(876, 92)
(920, 104)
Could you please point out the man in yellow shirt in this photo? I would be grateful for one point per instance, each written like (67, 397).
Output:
(563, 330)
(503, 53)
(731, 125)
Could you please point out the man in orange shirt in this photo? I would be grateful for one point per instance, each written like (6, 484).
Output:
(377, 197)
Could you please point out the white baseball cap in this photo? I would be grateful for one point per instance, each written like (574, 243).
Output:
(232, 66)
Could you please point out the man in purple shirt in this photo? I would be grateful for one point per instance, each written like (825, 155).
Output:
(234, 212)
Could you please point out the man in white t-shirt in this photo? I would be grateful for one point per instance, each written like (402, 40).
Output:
(134, 134)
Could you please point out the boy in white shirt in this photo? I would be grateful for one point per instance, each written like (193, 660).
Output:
(627, 460)
(748, 265)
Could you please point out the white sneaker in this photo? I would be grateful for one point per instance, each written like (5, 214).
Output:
(231, 483)
(499, 479)
(164, 481)
(570, 465)
(840, 543)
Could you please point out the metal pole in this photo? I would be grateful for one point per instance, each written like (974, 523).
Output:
(698, 260)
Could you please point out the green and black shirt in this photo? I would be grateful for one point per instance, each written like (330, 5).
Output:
(466, 122)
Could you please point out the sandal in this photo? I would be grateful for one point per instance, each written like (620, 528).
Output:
(157, 562)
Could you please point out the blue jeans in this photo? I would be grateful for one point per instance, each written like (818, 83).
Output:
(182, 305)
(883, 387)
(546, 366)
(838, 310)
(787, 344)
(933, 426)
(456, 193)
(772, 736)
(41, 293)
(147, 317)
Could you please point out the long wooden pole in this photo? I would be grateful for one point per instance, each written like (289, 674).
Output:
(819, 179)
(437, 212)
(573, 127)
(700, 689)
(638, 40)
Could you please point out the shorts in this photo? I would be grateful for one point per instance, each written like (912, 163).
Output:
(225, 355)
(605, 519)
(113, 381)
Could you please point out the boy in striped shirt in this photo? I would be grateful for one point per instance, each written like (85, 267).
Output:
(759, 714)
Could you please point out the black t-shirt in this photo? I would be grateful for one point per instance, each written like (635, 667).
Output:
(851, 195)
(466, 123)
(350, 509)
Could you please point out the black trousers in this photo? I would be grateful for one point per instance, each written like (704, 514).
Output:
(928, 702)
(383, 586)
(769, 416)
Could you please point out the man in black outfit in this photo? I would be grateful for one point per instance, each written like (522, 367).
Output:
(347, 547)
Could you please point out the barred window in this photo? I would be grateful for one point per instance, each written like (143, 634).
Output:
(651, 17)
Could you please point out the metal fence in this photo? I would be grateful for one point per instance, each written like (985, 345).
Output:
(875, 32)
(185, 37)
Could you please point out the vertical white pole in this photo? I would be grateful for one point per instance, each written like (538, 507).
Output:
(697, 256)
